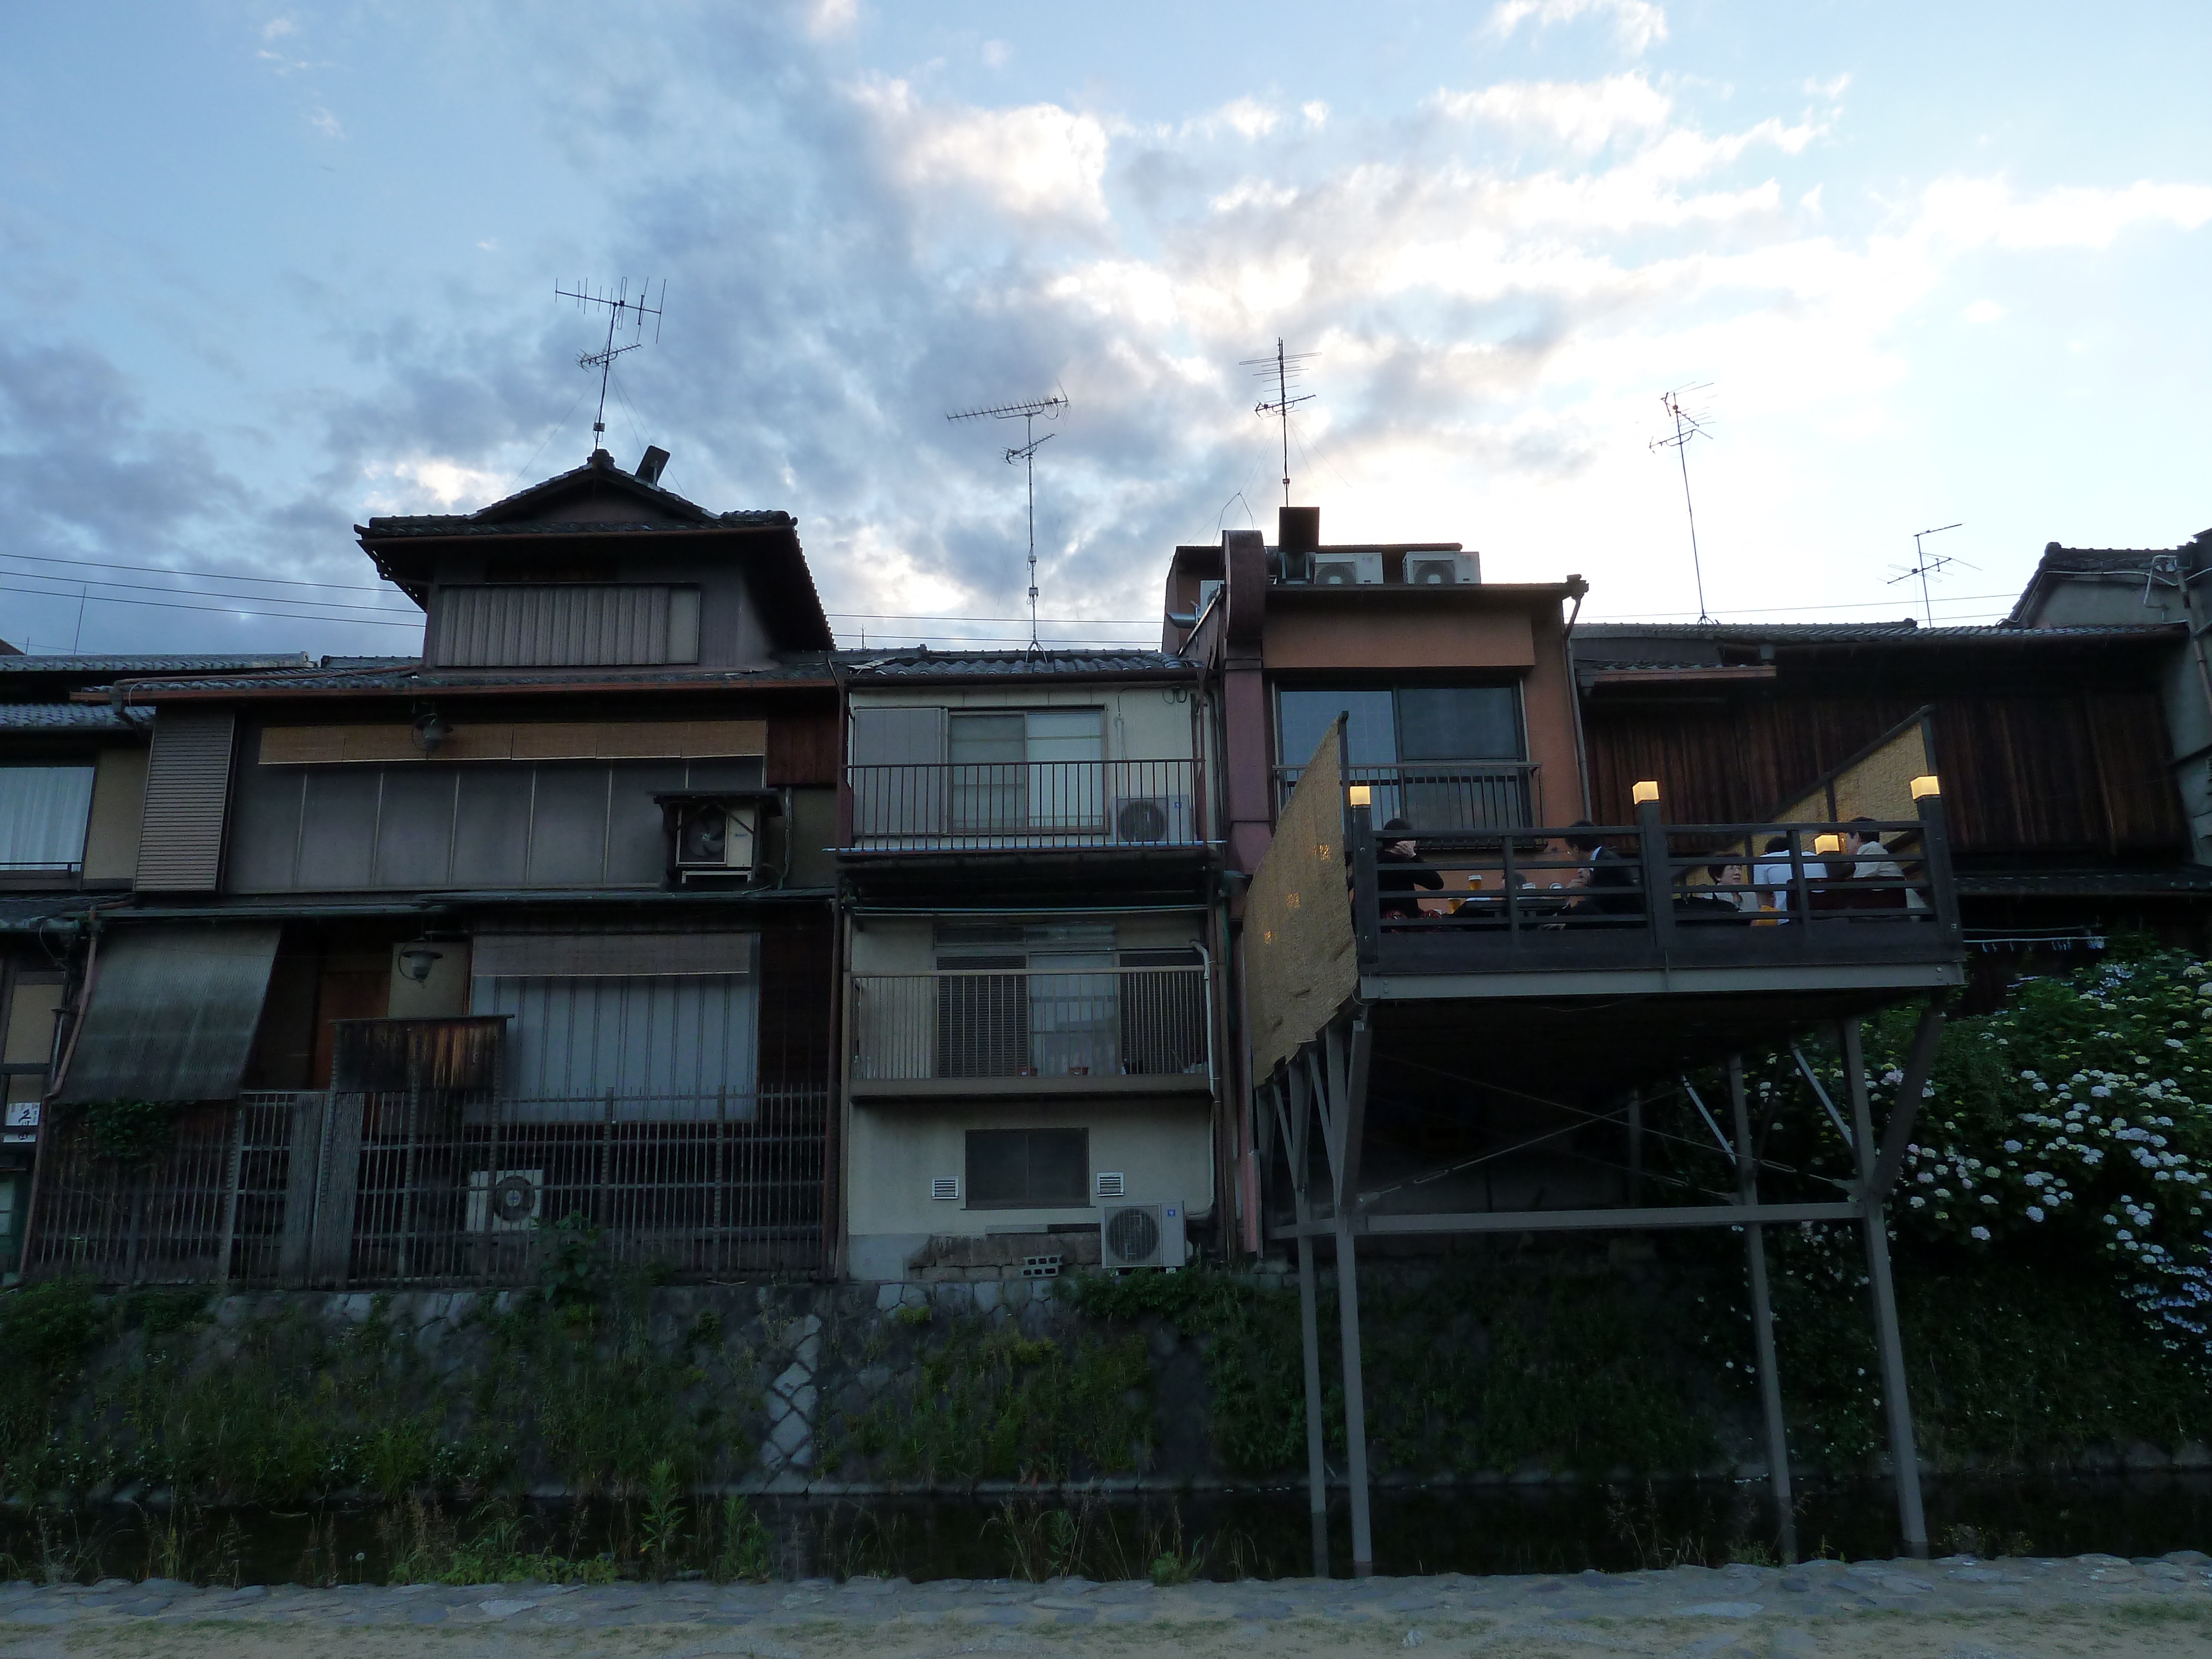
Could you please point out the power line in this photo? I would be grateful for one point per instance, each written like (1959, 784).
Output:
(210, 576)
(224, 610)
(150, 587)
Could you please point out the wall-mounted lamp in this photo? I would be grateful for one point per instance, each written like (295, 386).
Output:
(1360, 795)
(1645, 794)
(1927, 787)
(431, 730)
(1827, 843)
(419, 958)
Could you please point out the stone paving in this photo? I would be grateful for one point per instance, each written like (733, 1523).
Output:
(1975, 1609)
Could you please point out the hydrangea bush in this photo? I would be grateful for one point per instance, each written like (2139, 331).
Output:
(2079, 1117)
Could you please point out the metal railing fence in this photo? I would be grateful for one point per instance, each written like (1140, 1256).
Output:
(1023, 804)
(440, 1186)
(1441, 796)
(983, 1023)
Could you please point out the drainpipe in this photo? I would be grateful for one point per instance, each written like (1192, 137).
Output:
(1576, 588)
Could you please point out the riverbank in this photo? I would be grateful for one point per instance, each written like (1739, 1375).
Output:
(1958, 1607)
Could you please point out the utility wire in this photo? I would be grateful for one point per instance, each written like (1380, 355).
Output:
(258, 599)
(213, 576)
(224, 610)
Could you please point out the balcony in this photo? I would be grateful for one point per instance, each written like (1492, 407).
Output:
(1442, 797)
(1115, 806)
(1472, 914)
(979, 1033)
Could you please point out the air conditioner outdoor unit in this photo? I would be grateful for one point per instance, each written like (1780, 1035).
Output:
(716, 836)
(1141, 1236)
(1442, 569)
(1348, 569)
(505, 1201)
(1152, 820)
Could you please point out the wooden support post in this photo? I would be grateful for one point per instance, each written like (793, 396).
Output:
(1904, 1453)
(1762, 1319)
(1635, 1149)
(1355, 1401)
(1348, 1074)
(1296, 1147)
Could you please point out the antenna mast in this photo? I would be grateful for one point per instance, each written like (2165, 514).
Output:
(1687, 426)
(1283, 368)
(1924, 567)
(1027, 413)
(621, 308)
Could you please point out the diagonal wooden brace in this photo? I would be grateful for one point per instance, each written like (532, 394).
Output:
(1920, 1061)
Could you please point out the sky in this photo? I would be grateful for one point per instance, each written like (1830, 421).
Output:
(266, 272)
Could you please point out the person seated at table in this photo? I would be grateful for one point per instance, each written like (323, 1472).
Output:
(1773, 873)
(1610, 880)
(1873, 863)
(1395, 848)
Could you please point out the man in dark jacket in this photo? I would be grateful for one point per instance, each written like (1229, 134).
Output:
(1395, 848)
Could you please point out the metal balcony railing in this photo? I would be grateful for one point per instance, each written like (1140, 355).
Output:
(980, 1022)
(1018, 806)
(1442, 797)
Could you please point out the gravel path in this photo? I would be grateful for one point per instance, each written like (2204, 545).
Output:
(1956, 1608)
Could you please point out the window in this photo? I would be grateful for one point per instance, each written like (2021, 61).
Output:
(1028, 1169)
(1019, 1001)
(1409, 723)
(1027, 769)
(43, 811)
(1442, 757)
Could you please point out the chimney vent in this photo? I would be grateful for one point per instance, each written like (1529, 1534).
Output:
(649, 467)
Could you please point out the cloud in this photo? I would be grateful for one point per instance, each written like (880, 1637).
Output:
(1498, 280)
(325, 122)
(1983, 311)
(1637, 23)
(1036, 161)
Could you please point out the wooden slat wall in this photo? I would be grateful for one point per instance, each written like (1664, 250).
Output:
(316, 745)
(582, 624)
(187, 792)
(2076, 772)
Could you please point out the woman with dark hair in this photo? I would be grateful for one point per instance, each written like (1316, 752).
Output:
(1394, 846)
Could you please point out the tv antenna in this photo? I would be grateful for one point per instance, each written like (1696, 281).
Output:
(1924, 566)
(1687, 426)
(622, 311)
(1283, 368)
(1025, 457)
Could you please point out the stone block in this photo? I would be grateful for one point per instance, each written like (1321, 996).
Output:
(889, 1296)
(987, 1295)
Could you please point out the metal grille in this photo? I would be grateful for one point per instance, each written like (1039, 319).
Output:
(406, 1188)
(1015, 804)
(700, 1186)
(1131, 1021)
(210, 1207)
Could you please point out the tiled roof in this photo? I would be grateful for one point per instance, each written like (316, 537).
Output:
(71, 717)
(1009, 664)
(811, 667)
(28, 664)
(467, 524)
(502, 518)
(1751, 631)
(2091, 884)
(1897, 633)
(24, 912)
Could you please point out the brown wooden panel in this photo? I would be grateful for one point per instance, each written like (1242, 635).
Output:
(384, 1055)
(797, 1004)
(2133, 747)
(346, 992)
(802, 750)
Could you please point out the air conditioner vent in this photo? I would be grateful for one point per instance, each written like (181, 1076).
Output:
(1442, 569)
(1348, 569)
(945, 1188)
(1141, 1236)
(505, 1201)
(1152, 821)
(1109, 1184)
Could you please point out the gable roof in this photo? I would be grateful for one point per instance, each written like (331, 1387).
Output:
(599, 500)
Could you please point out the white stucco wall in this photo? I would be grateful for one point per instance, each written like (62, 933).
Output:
(1161, 1149)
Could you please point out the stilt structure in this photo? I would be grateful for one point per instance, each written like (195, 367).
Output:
(1527, 1017)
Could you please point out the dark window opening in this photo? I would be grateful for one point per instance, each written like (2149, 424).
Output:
(1028, 1169)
